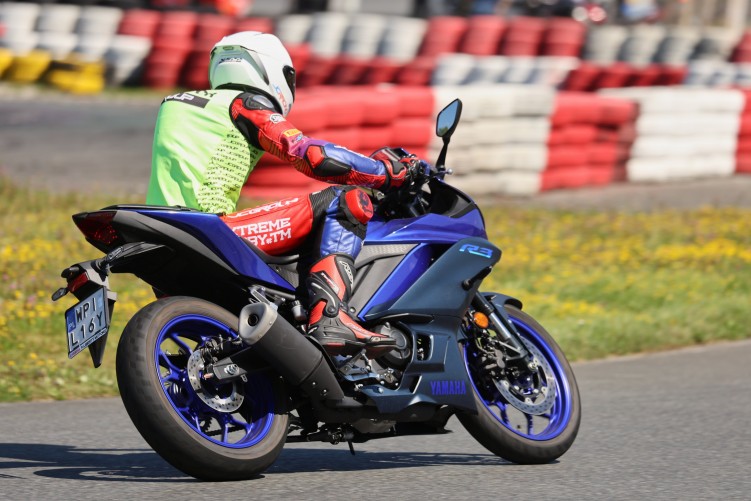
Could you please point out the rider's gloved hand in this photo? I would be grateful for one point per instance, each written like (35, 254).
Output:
(415, 167)
(401, 166)
(419, 167)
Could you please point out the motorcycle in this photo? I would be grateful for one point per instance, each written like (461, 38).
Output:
(217, 373)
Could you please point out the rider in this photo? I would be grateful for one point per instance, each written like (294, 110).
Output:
(207, 142)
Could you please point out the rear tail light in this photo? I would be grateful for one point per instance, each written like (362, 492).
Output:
(78, 282)
(97, 227)
(77, 278)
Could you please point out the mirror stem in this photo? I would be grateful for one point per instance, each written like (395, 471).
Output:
(441, 163)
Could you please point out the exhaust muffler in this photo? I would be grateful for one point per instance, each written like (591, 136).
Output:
(289, 352)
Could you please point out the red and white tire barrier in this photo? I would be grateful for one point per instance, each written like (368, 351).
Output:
(463, 69)
(359, 118)
(683, 133)
(521, 139)
(500, 146)
(589, 140)
(369, 43)
(743, 152)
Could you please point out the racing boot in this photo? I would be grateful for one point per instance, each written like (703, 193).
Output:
(329, 286)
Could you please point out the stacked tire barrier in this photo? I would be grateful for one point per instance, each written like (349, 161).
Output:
(589, 141)
(500, 146)
(70, 46)
(181, 43)
(361, 119)
(376, 44)
(603, 44)
(683, 133)
(563, 38)
(743, 152)
(19, 21)
(483, 35)
(592, 77)
(462, 69)
(525, 139)
(642, 45)
(443, 35)
(135, 46)
(368, 49)
(523, 36)
(721, 59)
(742, 50)
(518, 135)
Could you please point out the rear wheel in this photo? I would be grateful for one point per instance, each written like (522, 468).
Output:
(227, 431)
(528, 411)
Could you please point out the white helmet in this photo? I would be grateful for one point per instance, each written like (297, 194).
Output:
(255, 60)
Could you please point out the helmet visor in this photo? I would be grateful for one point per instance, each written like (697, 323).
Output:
(289, 77)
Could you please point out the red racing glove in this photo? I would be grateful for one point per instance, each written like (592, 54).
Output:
(400, 166)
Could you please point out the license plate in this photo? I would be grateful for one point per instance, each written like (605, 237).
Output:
(87, 321)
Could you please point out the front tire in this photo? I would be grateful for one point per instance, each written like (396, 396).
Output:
(231, 431)
(525, 430)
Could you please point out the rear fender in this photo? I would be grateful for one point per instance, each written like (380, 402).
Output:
(137, 256)
(500, 300)
(190, 253)
(83, 279)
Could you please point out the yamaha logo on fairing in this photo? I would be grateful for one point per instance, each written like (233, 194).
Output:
(448, 387)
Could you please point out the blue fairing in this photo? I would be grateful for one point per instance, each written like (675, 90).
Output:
(434, 232)
(405, 274)
(433, 228)
(430, 228)
(217, 236)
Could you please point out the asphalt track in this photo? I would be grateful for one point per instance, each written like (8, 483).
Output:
(665, 426)
(672, 425)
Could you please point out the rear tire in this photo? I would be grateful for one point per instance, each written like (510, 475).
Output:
(515, 434)
(196, 433)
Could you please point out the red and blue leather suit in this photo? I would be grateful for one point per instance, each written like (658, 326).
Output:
(338, 214)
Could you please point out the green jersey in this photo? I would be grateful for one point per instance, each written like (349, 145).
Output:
(199, 158)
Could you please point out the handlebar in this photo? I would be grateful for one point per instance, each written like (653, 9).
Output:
(410, 199)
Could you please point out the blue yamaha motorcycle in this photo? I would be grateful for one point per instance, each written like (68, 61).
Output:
(217, 374)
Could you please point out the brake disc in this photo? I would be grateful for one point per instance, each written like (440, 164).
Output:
(540, 397)
(210, 396)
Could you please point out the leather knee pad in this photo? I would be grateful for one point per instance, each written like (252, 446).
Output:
(356, 205)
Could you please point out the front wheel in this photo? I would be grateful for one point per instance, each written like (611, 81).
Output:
(528, 410)
(229, 431)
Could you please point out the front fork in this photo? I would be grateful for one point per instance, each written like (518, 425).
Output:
(508, 336)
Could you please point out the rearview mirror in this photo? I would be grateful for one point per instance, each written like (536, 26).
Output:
(445, 125)
(448, 119)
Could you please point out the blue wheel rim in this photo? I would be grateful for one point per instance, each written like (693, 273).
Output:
(550, 424)
(243, 428)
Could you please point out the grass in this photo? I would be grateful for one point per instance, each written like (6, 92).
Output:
(603, 283)
(611, 284)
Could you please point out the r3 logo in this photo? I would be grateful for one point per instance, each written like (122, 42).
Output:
(477, 250)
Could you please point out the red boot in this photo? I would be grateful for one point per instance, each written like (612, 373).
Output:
(330, 285)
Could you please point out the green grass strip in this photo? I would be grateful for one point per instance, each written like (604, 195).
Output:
(603, 283)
